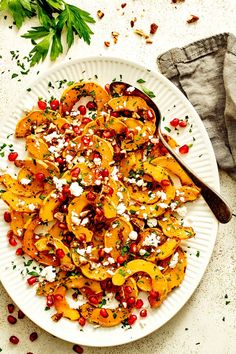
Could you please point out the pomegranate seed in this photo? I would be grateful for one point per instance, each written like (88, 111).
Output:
(62, 225)
(165, 183)
(82, 110)
(150, 115)
(11, 319)
(139, 304)
(101, 253)
(129, 133)
(114, 114)
(11, 308)
(132, 318)
(10, 234)
(96, 155)
(76, 129)
(86, 140)
(91, 105)
(42, 105)
(133, 248)
(78, 349)
(40, 177)
(99, 212)
(131, 301)
(107, 88)
(60, 253)
(120, 259)
(106, 134)
(64, 208)
(19, 251)
(86, 120)
(14, 340)
(128, 289)
(12, 241)
(54, 104)
(65, 126)
(108, 190)
(32, 280)
(174, 122)
(50, 300)
(7, 216)
(21, 314)
(75, 172)
(12, 156)
(104, 313)
(60, 160)
(153, 294)
(91, 196)
(82, 237)
(184, 149)
(93, 299)
(117, 149)
(33, 336)
(143, 313)
(58, 297)
(105, 173)
(66, 190)
(109, 284)
(61, 197)
(183, 123)
(164, 150)
(82, 321)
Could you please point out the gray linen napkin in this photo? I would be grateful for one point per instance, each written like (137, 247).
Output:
(205, 71)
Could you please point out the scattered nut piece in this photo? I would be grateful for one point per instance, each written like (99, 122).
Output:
(141, 33)
(100, 14)
(115, 36)
(153, 28)
(59, 216)
(193, 19)
(176, 1)
(149, 40)
(107, 44)
(132, 22)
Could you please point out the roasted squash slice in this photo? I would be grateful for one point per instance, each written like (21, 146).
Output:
(62, 307)
(73, 93)
(46, 243)
(129, 103)
(188, 193)
(98, 273)
(18, 221)
(49, 205)
(22, 204)
(105, 123)
(175, 276)
(37, 166)
(167, 248)
(171, 228)
(37, 147)
(26, 190)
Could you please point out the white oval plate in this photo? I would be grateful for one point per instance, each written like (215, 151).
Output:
(172, 103)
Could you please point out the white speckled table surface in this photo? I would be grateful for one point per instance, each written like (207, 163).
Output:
(206, 324)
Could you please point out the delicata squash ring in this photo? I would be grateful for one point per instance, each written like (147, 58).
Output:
(106, 198)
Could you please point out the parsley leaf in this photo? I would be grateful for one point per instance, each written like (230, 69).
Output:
(148, 92)
(19, 9)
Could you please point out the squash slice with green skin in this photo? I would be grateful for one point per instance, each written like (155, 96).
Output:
(80, 89)
(25, 190)
(115, 317)
(171, 228)
(22, 204)
(37, 147)
(175, 276)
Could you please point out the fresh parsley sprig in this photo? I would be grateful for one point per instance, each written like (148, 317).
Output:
(55, 17)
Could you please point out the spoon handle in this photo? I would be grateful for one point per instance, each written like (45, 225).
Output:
(217, 204)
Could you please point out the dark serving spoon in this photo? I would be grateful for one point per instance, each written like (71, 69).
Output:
(216, 203)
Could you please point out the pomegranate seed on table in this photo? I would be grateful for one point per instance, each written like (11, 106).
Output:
(50, 300)
(184, 149)
(131, 320)
(183, 123)
(120, 259)
(21, 314)
(14, 340)
(128, 290)
(91, 196)
(19, 251)
(12, 156)
(60, 253)
(174, 122)
(86, 120)
(78, 349)
(7, 216)
(85, 140)
(42, 105)
(131, 301)
(143, 313)
(93, 299)
(11, 319)
(104, 313)
(11, 308)
(40, 176)
(75, 172)
(32, 280)
(165, 183)
(58, 297)
(82, 321)
(12, 241)
(54, 104)
(139, 304)
(91, 105)
(33, 336)
(82, 110)
(133, 248)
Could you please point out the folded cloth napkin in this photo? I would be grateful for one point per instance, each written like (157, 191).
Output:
(205, 71)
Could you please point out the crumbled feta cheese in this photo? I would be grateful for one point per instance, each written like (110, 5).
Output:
(182, 211)
(75, 218)
(152, 240)
(174, 260)
(97, 161)
(81, 252)
(81, 159)
(173, 205)
(132, 180)
(107, 249)
(59, 182)
(25, 181)
(49, 137)
(114, 172)
(154, 140)
(133, 235)
(144, 216)
(142, 207)
(69, 158)
(152, 222)
(84, 221)
(163, 205)
(161, 195)
(120, 195)
(182, 199)
(111, 302)
(121, 208)
(76, 189)
(3, 166)
(31, 207)
(141, 183)
(49, 273)
(126, 216)
(111, 260)
(142, 252)
(89, 249)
